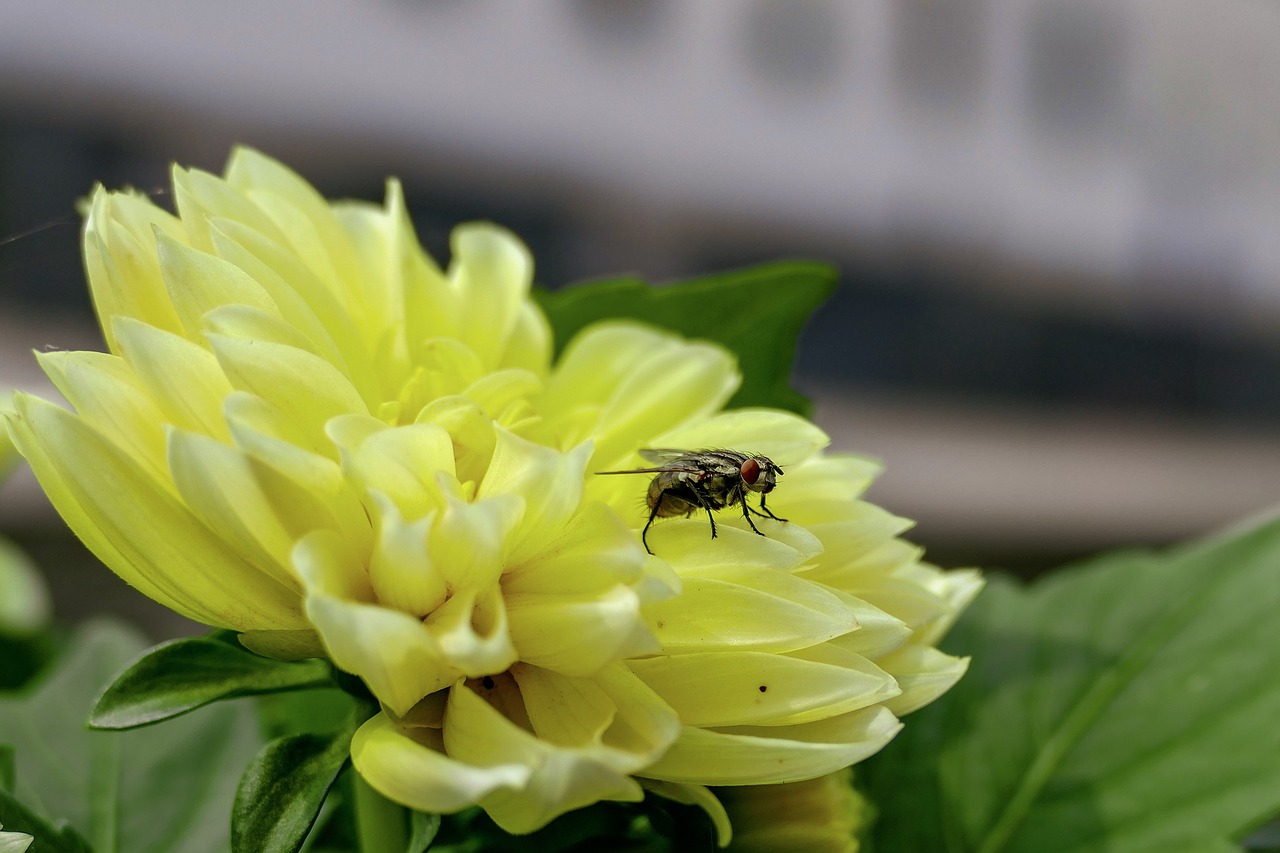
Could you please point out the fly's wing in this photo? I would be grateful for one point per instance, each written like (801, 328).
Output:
(666, 456)
(664, 460)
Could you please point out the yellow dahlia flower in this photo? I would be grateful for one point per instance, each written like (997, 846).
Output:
(308, 432)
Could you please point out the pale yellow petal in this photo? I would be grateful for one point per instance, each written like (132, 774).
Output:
(563, 779)
(923, 673)
(216, 482)
(306, 388)
(424, 778)
(621, 384)
(593, 552)
(109, 397)
(472, 633)
(614, 717)
(304, 301)
(124, 274)
(202, 197)
(695, 795)
(198, 283)
(753, 755)
(391, 651)
(754, 688)
(578, 634)
(141, 531)
(182, 377)
(753, 609)
(491, 271)
(402, 463)
(786, 438)
(529, 344)
(400, 569)
(550, 483)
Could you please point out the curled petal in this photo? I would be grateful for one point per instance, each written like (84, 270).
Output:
(550, 482)
(392, 651)
(394, 760)
(923, 673)
(756, 755)
(755, 688)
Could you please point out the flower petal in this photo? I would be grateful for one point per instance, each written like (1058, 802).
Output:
(786, 438)
(198, 283)
(549, 481)
(182, 377)
(108, 397)
(563, 778)
(491, 272)
(578, 634)
(140, 529)
(755, 688)
(392, 651)
(923, 673)
(417, 775)
(622, 383)
(753, 755)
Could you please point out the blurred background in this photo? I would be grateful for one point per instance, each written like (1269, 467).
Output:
(1057, 221)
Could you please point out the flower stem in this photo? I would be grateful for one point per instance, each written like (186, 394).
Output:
(381, 825)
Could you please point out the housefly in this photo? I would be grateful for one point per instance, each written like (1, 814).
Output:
(689, 480)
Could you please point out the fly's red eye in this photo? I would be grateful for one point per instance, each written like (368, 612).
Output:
(750, 472)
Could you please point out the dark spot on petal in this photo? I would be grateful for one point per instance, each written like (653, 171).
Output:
(764, 688)
(487, 681)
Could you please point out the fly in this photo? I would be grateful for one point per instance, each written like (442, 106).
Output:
(689, 480)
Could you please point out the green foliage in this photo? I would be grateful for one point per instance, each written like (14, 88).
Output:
(166, 790)
(1126, 705)
(655, 825)
(25, 607)
(755, 312)
(26, 640)
(284, 789)
(179, 676)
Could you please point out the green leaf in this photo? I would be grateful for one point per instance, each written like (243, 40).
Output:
(283, 790)
(166, 790)
(755, 312)
(423, 829)
(25, 606)
(15, 817)
(179, 676)
(1130, 704)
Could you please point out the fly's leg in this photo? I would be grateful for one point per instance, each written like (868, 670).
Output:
(653, 513)
(767, 511)
(706, 504)
(746, 512)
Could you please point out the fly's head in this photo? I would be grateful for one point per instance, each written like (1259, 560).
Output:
(760, 474)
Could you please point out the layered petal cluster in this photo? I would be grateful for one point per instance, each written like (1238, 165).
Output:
(308, 432)
(790, 655)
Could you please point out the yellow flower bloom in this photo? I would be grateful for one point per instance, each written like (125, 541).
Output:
(822, 815)
(308, 432)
